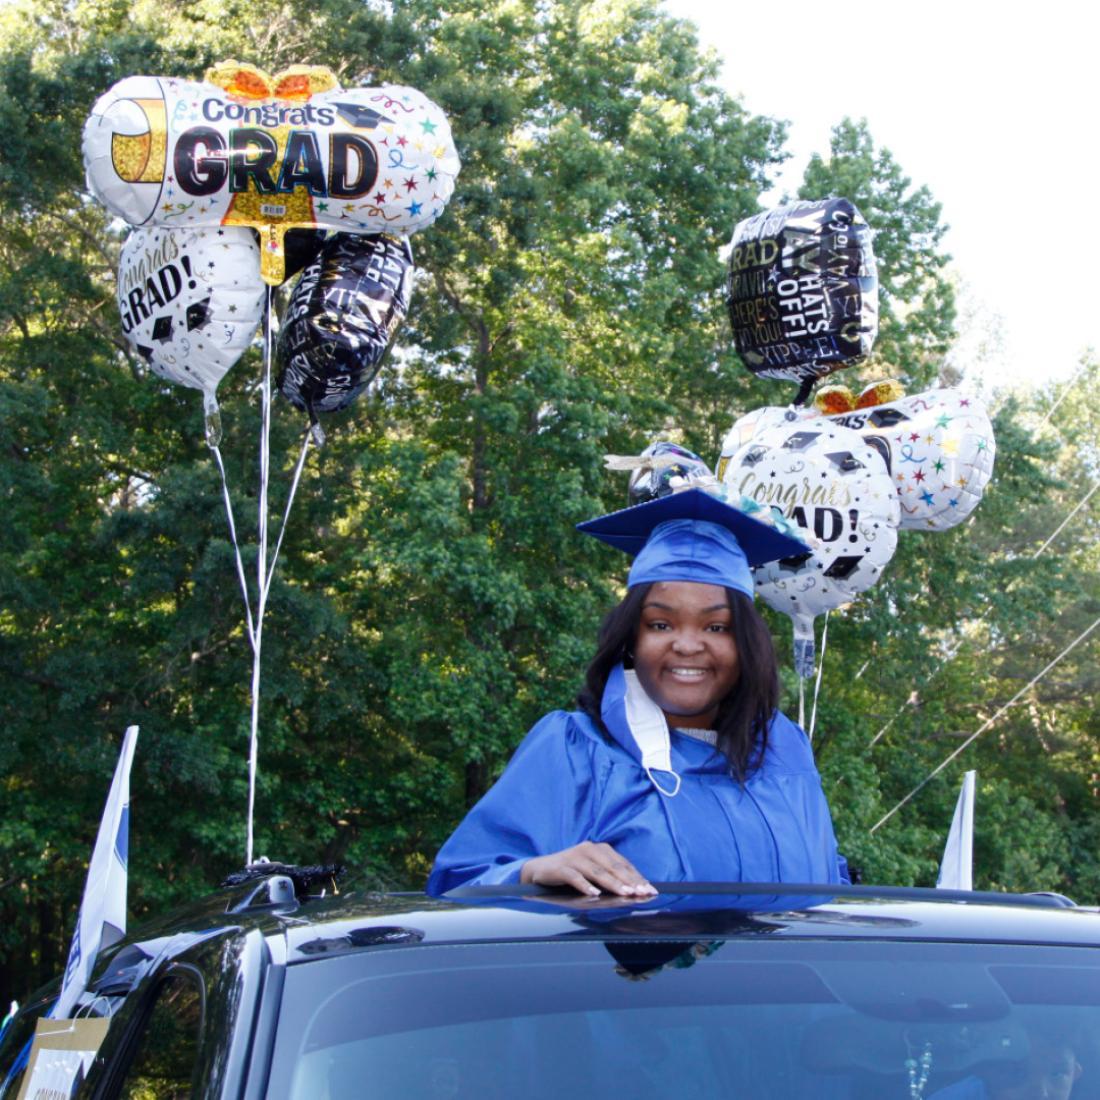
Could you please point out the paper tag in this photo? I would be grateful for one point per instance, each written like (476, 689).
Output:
(60, 1056)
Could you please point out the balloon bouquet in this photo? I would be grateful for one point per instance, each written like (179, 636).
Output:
(847, 473)
(243, 180)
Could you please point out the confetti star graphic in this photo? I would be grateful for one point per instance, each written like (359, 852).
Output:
(439, 151)
(428, 127)
(167, 207)
(938, 466)
(981, 444)
(388, 185)
(944, 420)
(954, 503)
(410, 184)
(961, 483)
(919, 475)
(414, 208)
(930, 438)
(927, 497)
(322, 206)
(380, 197)
(402, 140)
(914, 437)
(950, 447)
(431, 174)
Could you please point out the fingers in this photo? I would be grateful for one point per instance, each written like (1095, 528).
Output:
(590, 869)
(613, 872)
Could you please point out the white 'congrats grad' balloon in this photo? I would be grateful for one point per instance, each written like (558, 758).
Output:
(833, 486)
(190, 300)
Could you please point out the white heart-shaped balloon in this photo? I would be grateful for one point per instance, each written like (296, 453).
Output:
(190, 300)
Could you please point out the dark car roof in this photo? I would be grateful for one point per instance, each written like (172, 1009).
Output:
(357, 921)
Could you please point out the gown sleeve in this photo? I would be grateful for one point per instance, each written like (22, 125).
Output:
(545, 801)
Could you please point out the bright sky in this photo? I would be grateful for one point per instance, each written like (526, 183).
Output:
(994, 106)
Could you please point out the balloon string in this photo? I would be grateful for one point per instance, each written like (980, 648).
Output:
(820, 669)
(801, 703)
(307, 439)
(236, 545)
(804, 391)
(261, 573)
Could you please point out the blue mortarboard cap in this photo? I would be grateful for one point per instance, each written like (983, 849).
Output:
(692, 536)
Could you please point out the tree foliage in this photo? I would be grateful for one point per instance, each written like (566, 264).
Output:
(432, 599)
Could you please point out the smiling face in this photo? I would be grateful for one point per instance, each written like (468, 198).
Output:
(684, 653)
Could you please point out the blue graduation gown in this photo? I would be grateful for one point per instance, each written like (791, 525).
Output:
(567, 784)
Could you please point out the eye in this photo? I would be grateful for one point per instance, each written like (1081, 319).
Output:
(657, 624)
(719, 628)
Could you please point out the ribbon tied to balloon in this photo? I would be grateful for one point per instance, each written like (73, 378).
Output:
(272, 153)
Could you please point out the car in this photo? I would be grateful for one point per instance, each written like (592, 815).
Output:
(706, 990)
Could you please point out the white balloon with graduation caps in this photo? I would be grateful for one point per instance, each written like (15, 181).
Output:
(836, 489)
(190, 301)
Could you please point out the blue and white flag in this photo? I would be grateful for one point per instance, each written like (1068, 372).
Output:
(102, 918)
(957, 868)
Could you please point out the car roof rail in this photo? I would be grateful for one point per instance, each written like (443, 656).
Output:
(791, 894)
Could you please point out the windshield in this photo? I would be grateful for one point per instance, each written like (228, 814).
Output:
(751, 1019)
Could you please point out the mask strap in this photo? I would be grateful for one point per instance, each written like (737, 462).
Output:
(650, 731)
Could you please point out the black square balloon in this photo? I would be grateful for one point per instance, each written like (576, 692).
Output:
(802, 290)
(341, 318)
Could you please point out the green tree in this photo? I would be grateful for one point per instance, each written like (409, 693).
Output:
(916, 300)
(432, 598)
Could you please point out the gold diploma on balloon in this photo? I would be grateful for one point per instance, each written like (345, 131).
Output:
(272, 153)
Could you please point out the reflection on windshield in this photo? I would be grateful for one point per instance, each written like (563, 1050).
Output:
(755, 1019)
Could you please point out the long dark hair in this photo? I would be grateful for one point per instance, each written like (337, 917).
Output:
(743, 715)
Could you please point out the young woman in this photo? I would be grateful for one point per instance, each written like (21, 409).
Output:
(677, 766)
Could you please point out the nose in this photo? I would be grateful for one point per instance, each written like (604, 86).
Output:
(688, 641)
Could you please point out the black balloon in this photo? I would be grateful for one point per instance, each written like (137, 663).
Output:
(802, 290)
(672, 467)
(341, 318)
(300, 248)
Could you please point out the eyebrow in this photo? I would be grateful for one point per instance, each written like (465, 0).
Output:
(669, 607)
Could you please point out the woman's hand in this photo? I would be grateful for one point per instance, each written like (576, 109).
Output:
(589, 868)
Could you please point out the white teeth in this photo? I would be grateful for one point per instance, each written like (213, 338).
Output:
(692, 672)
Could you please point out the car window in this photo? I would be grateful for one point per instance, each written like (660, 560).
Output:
(15, 1047)
(829, 1020)
(163, 1066)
